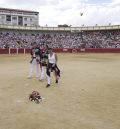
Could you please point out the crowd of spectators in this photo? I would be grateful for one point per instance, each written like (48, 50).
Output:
(87, 39)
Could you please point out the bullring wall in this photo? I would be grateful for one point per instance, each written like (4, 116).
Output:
(65, 50)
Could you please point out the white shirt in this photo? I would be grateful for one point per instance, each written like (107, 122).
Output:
(52, 59)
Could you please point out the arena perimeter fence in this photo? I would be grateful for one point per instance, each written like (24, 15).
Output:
(64, 50)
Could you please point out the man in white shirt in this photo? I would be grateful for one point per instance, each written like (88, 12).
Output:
(52, 67)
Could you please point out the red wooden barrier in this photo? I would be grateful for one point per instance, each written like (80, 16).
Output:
(13, 51)
(103, 50)
(27, 50)
(21, 50)
(65, 50)
(4, 51)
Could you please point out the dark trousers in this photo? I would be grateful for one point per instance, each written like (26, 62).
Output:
(51, 68)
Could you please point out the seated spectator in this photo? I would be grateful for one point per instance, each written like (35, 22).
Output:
(89, 39)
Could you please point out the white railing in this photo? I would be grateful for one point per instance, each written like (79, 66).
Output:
(72, 29)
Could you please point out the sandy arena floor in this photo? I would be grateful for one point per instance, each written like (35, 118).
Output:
(88, 96)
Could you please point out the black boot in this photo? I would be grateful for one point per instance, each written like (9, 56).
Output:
(47, 85)
(56, 81)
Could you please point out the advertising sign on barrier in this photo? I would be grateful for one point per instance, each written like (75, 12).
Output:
(65, 50)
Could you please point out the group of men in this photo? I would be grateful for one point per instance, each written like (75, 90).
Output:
(45, 61)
